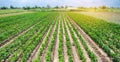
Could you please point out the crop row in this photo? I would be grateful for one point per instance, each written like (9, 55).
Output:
(45, 43)
(10, 11)
(36, 40)
(27, 42)
(68, 44)
(90, 53)
(80, 51)
(61, 55)
(10, 26)
(104, 33)
(49, 55)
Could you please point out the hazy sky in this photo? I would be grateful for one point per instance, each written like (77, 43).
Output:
(88, 3)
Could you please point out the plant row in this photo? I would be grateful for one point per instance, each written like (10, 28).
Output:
(27, 42)
(12, 25)
(104, 33)
(49, 55)
(68, 44)
(90, 53)
(76, 42)
(60, 50)
(44, 45)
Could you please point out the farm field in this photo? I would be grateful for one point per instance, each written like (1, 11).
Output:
(58, 37)
(8, 11)
(107, 16)
(11, 12)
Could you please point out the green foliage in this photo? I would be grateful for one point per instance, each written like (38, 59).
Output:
(105, 34)
(68, 44)
(45, 43)
(61, 55)
(91, 54)
(27, 8)
(78, 47)
(51, 46)
(24, 45)
(10, 26)
(3, 7)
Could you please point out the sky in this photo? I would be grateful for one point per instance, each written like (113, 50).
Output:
(52, 3)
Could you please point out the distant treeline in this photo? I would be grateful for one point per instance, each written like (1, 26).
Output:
(49, 7)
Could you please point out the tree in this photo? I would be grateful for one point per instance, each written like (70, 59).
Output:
(103, 7)
(48, 7)
(56, 7)
(12, 7)
(43, 7)
(95, 8)
(81, 7)
(4, 7)
(26, 8)
(62, 6)
(66, 7)
(36, 6)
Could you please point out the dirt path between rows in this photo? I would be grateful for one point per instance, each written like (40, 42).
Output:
(37, 49)
(11, 39)
(64, 44)
(8, 60)
(35, 33)
(74, 50)
(33, 53)
(49, 41)
(102, 56)
(56, 47)
(20, 54)
(82, 47)
(13, 14)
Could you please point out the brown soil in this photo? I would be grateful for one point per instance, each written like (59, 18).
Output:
(11, 55)
(46, 49)
(56, 47)
(11, 39)
(102, 56)
(64, 45)
(75, 55)
(82, 47)
(37, 49)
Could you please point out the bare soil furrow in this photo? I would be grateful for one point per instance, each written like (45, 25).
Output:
(46, 49)
(37, 49)
(82, 47)
(19, 59)
(33, 53)
(56, 47)
(64, 45)
(75, 55)
(16, 49)
(11, 39)
(102, 56)
(8, 60)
